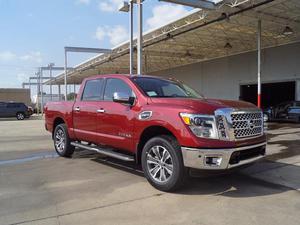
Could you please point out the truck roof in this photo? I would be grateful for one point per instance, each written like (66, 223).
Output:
(119, 76)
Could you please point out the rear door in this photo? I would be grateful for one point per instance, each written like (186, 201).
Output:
(12, 109)
(3, 109)
(85, 111)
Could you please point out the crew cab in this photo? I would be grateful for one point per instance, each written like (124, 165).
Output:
(161, 123)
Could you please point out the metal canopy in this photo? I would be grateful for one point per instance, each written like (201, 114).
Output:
(200, 36)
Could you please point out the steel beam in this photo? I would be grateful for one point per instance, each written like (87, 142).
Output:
(131, 38)
(42, 90)
(88, 50)
(79, 49)
(29, 83)
(35, 78)
(55, 68)
(202, 4)
(128, 7)
(66, 72)
(140, 38)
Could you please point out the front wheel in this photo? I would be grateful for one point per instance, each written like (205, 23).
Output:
(20, 116)
(62, 142)
(163, 164)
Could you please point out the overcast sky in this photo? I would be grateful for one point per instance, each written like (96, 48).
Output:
(34, 32)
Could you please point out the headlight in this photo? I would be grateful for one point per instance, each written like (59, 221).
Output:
(201, 125)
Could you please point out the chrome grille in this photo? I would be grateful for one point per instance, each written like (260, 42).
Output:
(247, 124)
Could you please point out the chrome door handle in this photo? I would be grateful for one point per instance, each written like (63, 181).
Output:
(77, 109)
(100, 111)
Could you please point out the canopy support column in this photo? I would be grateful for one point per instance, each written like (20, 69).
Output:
(259, 64)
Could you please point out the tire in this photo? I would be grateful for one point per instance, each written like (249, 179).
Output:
(163, 164)
(20, 116)
(62, 142)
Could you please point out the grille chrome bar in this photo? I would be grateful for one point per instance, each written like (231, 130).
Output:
(247, 124)
(240, 123)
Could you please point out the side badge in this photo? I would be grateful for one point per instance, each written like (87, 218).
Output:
(145, 115)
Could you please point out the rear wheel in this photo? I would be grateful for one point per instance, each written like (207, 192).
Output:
(163, 164)
(62, 142)
(20, 116)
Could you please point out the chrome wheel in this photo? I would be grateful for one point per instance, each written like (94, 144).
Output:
(159, 164)
(60, 140)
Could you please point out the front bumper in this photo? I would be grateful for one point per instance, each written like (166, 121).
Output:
(221, 159)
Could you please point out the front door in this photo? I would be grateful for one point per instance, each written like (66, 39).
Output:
(116, 120)
(85, 115)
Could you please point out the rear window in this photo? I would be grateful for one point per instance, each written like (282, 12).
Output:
(93, 90)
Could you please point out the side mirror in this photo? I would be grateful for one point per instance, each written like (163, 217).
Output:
(124, 98)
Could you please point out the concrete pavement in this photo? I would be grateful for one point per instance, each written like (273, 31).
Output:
(37, 187)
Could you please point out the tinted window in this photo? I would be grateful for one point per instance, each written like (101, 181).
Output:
(297, 104)
(295, 110)
(14, 105)
(164, 88)
(116, 85)
(93, 90)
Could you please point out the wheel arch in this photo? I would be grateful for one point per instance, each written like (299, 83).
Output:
(147, 134)
(56, 122)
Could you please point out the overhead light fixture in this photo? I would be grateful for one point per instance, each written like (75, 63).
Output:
(287, 31)
(125, 7)
(228, 46)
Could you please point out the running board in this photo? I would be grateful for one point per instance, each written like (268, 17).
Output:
(107, 152)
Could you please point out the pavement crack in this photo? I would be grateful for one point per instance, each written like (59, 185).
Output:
(89, 209)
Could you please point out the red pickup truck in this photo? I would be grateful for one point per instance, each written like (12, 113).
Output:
(161, 123)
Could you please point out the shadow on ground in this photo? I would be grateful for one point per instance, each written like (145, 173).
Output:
(232, 184)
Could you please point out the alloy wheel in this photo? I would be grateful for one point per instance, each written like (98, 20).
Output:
(60, 140)
(159, 164)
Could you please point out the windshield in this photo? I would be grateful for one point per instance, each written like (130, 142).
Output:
(163, 88)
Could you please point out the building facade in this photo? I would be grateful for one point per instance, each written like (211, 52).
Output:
(15, 95)
(234, 77)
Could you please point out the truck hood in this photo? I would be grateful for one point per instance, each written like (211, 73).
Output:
(203, 106)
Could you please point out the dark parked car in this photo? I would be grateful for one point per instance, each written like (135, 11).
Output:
(14, 109)
(286, 111)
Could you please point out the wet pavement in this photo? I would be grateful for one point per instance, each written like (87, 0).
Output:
(283, 140)
(37, 187)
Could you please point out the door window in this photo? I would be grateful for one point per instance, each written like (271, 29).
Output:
(2, 105)
(116, 85)
(12, 105)
(93, 90)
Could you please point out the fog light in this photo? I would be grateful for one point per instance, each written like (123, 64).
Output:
(213, 161)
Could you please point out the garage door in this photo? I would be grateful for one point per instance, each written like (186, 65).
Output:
(272, 93)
